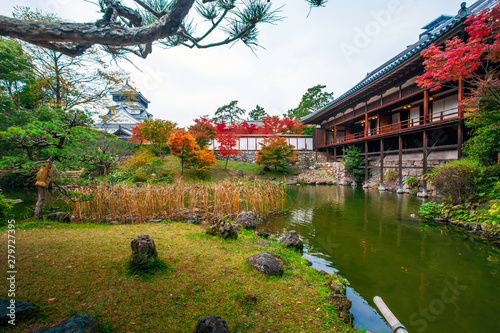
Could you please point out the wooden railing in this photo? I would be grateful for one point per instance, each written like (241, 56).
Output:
(402, 125)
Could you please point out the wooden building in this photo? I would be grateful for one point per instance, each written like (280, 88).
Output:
(397, 124)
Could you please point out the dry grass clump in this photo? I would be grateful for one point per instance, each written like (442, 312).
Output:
(212, 200)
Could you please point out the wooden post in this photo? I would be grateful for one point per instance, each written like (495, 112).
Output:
(366, 161)
(424, 161)
(381, 162)
(335, 134)
(366, 125)
(327, 155)
(335, 154)
(460, 135)
(426, 106)
(460, 97)
(400, 166)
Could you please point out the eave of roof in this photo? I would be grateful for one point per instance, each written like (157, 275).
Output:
(402, 57)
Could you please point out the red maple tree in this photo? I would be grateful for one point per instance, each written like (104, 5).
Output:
(227, 139)
(203, 131)
(277, 125)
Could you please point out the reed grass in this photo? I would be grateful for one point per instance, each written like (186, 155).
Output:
(176, 201)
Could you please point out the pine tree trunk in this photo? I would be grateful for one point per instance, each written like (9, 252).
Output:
(39, 204)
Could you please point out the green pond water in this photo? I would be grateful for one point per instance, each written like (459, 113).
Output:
(435, 279)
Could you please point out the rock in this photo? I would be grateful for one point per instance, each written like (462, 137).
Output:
(263, 233)
(484, 226)
(322, 272)
(74, 324)
(400, 191)
(223, 229)
(239, 173)
(251, 298)
(309, 262)
(114, 222)
(342, 304)
(143, 250)
(211, 324)
(12, 201)
(292, 240)
(18, 310)
(474, 226)
(194, 220)
(366, 186)
(260, 173)
(266, 169)
(337, 288)
(266, 263)
(139, 184)
(153, 176)
(247, 220)
(59, 216)
(413, 216)
(155, 220)
(422, 195)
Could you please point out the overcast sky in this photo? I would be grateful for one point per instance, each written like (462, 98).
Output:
(335, 46)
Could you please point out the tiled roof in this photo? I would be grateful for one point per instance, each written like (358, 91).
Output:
(410, 51)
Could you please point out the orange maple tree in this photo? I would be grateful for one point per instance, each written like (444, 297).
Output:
(182, 145)
(156, 131)
(276, 151)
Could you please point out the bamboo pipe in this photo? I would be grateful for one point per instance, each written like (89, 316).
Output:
(396, 326)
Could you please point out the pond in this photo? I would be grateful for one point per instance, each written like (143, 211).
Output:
(433, 278)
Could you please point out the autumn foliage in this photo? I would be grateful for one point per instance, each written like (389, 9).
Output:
(155, 131)
(203, 130)
(227, 139)
(202, 159)
(460, 59)
(275, 151)
(182, 145)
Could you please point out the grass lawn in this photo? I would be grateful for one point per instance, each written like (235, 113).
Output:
(83, 268)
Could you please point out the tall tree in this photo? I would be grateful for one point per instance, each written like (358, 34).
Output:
(227, 140)
(203, 131)
(156, 131)
(230, 113)
(314, 99)
(71, 82)
(124, 30)
(475, 60)
(258, 113)
(182, 145)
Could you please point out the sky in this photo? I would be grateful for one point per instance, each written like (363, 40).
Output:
(336, 46)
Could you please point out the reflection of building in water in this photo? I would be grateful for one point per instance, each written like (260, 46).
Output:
(130, 109)
(398, 125)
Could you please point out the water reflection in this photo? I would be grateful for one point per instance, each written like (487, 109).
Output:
(369, 237)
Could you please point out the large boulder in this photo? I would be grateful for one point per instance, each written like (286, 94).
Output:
(17, 310)
(267, 263)
(59, 216)
(74, 324)
(143, 251)
(292, 240)
(247, 220)
(223, 229)
(211, 324)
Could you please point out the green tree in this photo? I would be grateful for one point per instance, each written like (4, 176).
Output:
(275, 151)
(69, 82)
(156, 131)
(124, 30)
(229, 113)
(353, 163)
(314, 99)
(258, 113)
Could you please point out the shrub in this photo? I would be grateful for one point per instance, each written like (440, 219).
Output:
(457, 180)
(139, 176)
(140, 158)
(4, 210)
(391, 176)
(430, 210)
(353, 163)
(412, 182)
(163, 176)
